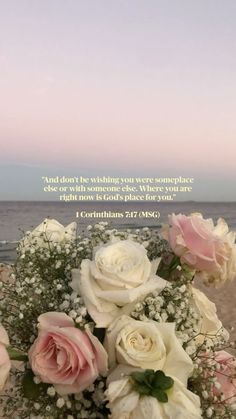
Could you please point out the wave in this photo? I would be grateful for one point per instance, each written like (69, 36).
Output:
(6, 242)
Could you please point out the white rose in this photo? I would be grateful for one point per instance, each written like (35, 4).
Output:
(209, 322)
(134, 344)
(120, 274)
(229, 266)
(126, 403)
(49, 231)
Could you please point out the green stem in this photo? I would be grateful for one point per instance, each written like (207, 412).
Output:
(16, 355)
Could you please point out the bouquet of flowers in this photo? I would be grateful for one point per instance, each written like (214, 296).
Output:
(111, 324)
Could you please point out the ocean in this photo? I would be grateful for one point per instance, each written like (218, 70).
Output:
(16, 217)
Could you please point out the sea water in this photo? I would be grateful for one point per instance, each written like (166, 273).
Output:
(18, 217)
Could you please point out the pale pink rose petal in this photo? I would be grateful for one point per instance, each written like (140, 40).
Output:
(101, 356)
(79, 340)
(226, 376)
(197, 238)
(5, 363)
(4, 339)
(52, 318)
(208, 249)
(65, 355)
(5, 366)
(85, 379)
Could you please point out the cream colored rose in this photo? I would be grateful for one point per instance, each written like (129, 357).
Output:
(125, 403)
(228, 268)
(133, 344)
(49, 231)
(209, 325)
(119, 274)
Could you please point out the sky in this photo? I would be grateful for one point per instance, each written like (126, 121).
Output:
(118, 87)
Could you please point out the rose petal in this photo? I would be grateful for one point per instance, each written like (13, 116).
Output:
(52, 319)
(4, 339)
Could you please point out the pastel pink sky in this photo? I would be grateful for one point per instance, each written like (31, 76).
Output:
(119, 85)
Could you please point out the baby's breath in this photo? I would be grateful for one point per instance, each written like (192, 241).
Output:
(41, 282)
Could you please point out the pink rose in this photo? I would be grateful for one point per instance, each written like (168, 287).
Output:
(65, 356)
(207, 248)
(226, 376)
(5, 363)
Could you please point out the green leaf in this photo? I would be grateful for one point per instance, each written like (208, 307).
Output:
(142, 389)
(174, 263)
(16, 355)
(144, 377)
(139, 377)
(160, 395)
(149, 377)
(30, 389)
(151, 383)
(148, 372)
(162, 381)
(165, 268)
(167, 383)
